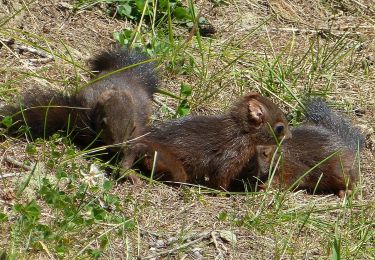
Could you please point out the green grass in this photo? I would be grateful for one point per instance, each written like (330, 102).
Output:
(65, 207)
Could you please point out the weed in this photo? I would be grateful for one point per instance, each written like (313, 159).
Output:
(65, 207)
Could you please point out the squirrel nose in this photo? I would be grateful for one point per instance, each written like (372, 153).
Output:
(288, 134)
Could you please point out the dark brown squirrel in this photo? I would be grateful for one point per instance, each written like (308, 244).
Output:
(111, 110)
(216, 147)
(325, 141)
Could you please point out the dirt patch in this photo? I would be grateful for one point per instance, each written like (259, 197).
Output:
(163, 212)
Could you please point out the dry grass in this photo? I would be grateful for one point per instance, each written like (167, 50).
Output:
(263, 45)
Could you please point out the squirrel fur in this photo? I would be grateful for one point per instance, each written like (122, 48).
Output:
(114, 108)
(322, 155)
(211, 149)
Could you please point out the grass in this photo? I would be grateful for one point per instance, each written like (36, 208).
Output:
(61, 205)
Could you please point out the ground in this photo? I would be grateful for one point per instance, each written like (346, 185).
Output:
(284, 48)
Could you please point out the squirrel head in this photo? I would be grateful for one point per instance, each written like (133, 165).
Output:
(261, 116)
(286, 173)
(264, 154)
(112, 118)
(265, 165)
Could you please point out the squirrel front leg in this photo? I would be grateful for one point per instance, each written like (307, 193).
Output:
(222, 180)
(167, 163)
(130, 155)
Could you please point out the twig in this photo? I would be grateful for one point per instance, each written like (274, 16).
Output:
(17, 163)
(11, 43)
(214, 240)
(96, 238)
(146, 232)
(160, 103)
(192, 31)
(364, 7)
(184, 209)
(41, 60)
(7, 175)
(204, 235)
(321, 30)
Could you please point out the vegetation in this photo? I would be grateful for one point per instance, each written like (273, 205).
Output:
(56, 201)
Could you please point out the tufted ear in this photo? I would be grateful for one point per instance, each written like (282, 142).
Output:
(256, 111)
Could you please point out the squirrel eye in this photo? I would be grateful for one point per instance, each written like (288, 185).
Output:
(279, 129)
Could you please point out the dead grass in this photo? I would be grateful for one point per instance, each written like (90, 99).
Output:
(269, 225)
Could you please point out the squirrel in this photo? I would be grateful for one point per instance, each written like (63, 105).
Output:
(322, 156)
(214, 147)
(113, 109)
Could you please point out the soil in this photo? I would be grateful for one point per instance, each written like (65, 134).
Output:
(170, 211)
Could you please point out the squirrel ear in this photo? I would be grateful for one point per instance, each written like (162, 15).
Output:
(256, 111)
(105, 96)
(259, 148)
(265, 151)
(252, 94)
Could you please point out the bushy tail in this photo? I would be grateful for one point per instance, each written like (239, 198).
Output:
(42, 112)
(46, 111)
(318, 112)
(141, 68)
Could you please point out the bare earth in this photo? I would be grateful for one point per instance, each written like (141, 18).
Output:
(162, 212)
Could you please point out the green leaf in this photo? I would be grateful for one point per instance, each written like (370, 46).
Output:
(3, 217)
(129, 225)
(22, 186)
(125, 10)
(61, 250)
(103, 242)
(51, 163)
(31, 211)
(56, 154)
(222, 216)
(181, 13)
(184, 108)
(163, 4)
(94, 253)
(7, 121)
(70, 152)
(31, 149)
(98, 213)
(107, 185)
(336, 245)
(55, 137)
(185, 90)
(140, 5)
(118, 36)
(60, 173)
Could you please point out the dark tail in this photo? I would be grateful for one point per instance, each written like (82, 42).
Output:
(41, 112)
(46, 111)
(318, 112)
(141, 68)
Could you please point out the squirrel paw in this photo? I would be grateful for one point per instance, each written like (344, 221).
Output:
(134, 179)
(262, 187)
(343, 193)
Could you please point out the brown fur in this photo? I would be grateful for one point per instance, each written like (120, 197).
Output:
(216, 147)
(330, 138)
(111, 110)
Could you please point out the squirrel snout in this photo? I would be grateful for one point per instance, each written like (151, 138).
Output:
(288, 134)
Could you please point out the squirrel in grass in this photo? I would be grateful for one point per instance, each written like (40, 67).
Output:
(322, 155)
(111, 110)
(213, 149)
